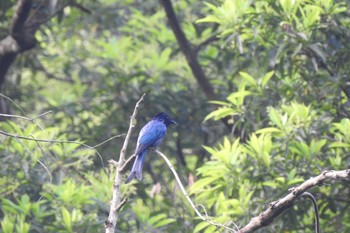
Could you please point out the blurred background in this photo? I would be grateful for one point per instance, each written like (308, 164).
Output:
(262, 106)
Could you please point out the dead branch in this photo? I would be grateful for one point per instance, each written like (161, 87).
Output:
(194, 207)
(277, 207)
(116, 202)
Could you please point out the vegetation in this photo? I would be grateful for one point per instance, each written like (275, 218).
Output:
(275, 112)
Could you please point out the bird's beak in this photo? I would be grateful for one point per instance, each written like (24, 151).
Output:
(173, 122)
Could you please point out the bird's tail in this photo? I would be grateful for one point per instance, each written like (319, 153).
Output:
(137, 167)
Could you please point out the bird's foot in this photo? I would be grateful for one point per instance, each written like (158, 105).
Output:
(152, 149)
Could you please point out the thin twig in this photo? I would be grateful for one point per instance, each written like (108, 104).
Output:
(13, 102)
(41, 115)
(194, 207)
(121, 204)
(128, 135)
(23, 117)
(43, 165)
(122, 169)
(27, 118)
(113, 162)
(109, 139)
(59, 141)
(33, 22)
(111, 222)
(212, 38)
(314, 203)
(80, 7)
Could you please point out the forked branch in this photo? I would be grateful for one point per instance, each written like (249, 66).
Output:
(116, 202)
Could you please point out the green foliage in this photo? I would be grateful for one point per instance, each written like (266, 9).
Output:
(239, 175)
(279, 69)
(149, 221)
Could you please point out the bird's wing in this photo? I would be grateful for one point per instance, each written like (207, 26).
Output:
(149, 135)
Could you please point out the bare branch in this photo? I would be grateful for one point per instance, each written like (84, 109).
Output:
(194, 207)
(27, 118)
(13, 102)
(107, 140)
(31, 138)
(33, 156)
(116, 202)
(122, 169)
(277, 207)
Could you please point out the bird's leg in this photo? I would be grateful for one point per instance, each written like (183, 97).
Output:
(152, 149)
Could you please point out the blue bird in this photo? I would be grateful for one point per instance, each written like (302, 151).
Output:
(150, 136)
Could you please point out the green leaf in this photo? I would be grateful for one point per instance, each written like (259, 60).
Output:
(266, 159)
(275, 117)
(200, 226)
(165, 222)
(319, 52)
(220, 113)
(209, 149)
(202, 183)
(67, 219)
(266, 78)
(294, 181)
(248, 78)
(22, 226)
(25, 204)
(209, 19)
(268, 130)
(8, 223)
(239, 94)
(315, 147)
(339, 144)
(291, 174)
(270, 184)
(156, 218)
(219, 103)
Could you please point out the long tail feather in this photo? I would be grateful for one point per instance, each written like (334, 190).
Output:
(137, 167)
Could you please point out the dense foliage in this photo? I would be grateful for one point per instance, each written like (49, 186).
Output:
(280, 71)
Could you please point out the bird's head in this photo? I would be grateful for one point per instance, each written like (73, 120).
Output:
(165, 118)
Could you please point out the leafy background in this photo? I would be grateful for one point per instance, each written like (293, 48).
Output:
(280, 72)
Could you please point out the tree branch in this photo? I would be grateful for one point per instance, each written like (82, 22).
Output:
(190, 55)
(116, 202)
(22, 30)
(194, 207)
(277, 207)
(17, 40)
(19, 18)
(31, 138)
(188, 52)
(206, 42)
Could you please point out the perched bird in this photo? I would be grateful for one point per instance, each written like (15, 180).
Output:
(150, 136)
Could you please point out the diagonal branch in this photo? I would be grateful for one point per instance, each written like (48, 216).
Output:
(277, 207)
(205, 218)
(191, 58)
(117, 203)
